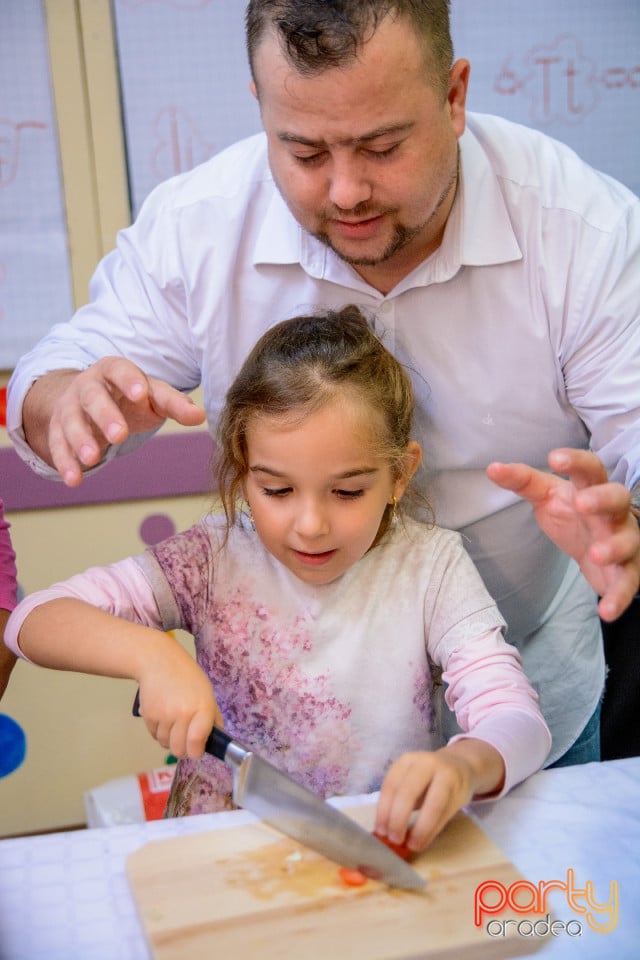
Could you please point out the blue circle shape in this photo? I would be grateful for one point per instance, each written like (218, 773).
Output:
(13, 745)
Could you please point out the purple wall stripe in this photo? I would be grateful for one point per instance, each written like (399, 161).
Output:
(169, 465)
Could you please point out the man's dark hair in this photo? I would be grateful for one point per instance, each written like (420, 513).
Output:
(318, 34)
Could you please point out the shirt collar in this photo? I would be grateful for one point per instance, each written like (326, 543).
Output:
(279, 238)
(485, 232)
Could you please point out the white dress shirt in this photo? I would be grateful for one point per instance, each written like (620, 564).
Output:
(521, 333)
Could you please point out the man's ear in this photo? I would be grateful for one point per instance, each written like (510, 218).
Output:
(457, 95)
(412, 460)
(253, 89)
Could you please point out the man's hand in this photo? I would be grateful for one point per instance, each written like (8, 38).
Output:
(71, 417)
(586, 516)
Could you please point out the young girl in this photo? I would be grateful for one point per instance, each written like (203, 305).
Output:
(322, 615)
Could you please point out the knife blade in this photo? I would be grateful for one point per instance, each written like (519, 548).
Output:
(274, 797)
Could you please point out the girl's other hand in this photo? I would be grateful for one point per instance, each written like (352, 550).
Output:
(437, 785)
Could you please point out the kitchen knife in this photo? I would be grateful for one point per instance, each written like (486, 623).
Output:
(274, 797)
(268, 793)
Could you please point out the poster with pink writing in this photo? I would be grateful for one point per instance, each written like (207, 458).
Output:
(185, 85)
(569, 68)
(35, 281)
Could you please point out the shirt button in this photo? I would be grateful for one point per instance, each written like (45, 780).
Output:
(386, 307)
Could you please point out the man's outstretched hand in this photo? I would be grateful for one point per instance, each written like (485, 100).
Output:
(70, 417)
(586, 516)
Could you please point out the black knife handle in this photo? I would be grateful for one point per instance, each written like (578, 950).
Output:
(217, 743)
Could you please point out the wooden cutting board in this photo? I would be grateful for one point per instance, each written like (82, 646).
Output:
(248, 892)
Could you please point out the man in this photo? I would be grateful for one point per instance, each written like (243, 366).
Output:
(503, 270)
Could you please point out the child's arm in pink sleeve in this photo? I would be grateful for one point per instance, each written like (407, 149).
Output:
(120, 589)
(494, 701)
(106, 622)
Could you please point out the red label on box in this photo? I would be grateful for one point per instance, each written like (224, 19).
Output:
(154, 789)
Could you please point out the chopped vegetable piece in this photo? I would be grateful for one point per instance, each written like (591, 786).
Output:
(401, 849)
(352, 878)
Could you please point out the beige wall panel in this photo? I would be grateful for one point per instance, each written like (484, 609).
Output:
(105, 119)
(80, 731)
(76, 147)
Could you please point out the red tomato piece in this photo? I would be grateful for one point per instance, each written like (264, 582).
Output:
(401, 849)
(351, 878)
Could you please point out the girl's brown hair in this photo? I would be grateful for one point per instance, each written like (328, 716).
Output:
(296, 368)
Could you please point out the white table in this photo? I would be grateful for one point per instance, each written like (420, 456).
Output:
(65, 896)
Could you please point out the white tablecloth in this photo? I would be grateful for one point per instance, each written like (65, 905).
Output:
(65, 896)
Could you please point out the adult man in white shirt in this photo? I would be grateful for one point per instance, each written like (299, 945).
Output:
(504, 272)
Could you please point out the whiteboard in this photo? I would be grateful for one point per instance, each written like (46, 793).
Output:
(185, 85)
(571, 68)
(35, 279)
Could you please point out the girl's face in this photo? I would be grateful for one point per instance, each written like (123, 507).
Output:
(317, 489)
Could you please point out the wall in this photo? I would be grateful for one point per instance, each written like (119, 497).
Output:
(80, 731)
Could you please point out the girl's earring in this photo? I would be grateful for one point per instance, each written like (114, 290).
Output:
(250, 515)
(394, 511)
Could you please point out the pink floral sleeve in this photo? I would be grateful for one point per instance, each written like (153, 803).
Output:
(8, 576)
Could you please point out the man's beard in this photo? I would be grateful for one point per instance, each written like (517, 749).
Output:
(401, 237)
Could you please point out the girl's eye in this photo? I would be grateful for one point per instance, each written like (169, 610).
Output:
(349, 494)
(279, 492)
